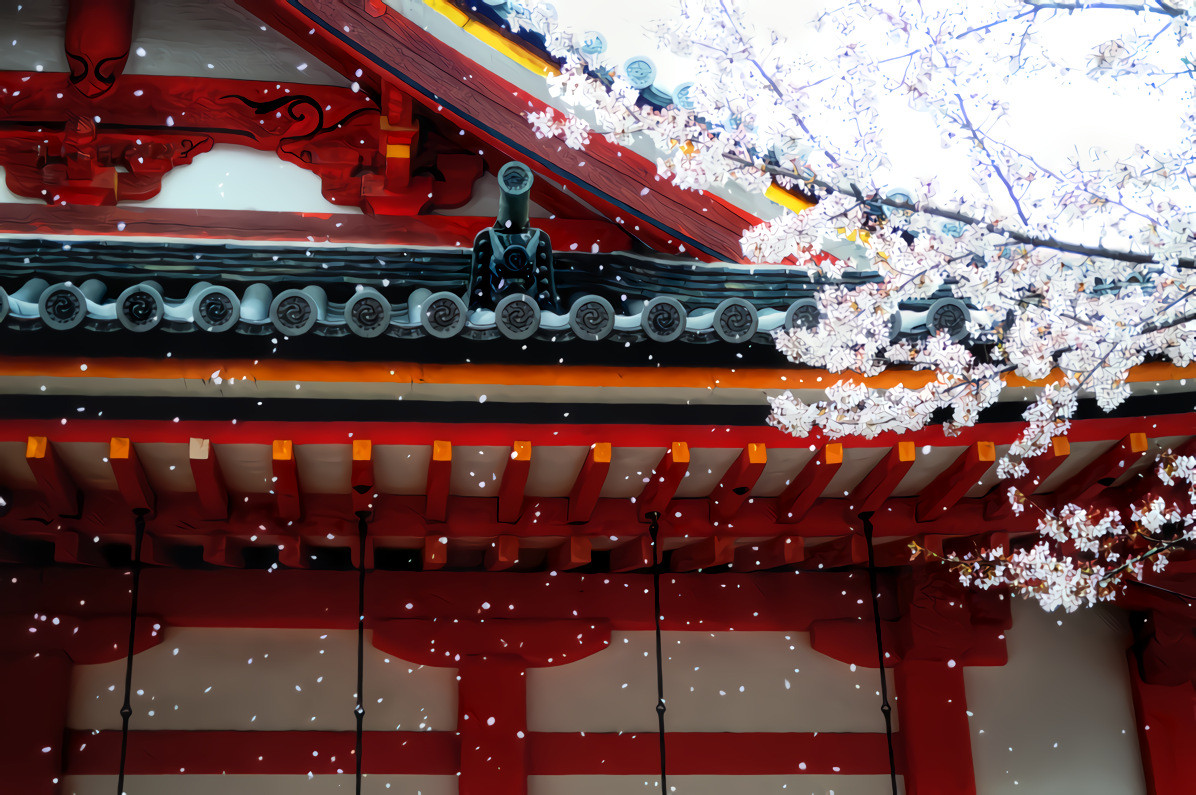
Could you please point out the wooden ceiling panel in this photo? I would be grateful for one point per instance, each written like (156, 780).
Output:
(477, 471)
(324, 468)
(88, 465)
(857, 463)
(167, 466)
(630, 470)
(246, 467)
(706, 468)
(784, 463)
(554, 469)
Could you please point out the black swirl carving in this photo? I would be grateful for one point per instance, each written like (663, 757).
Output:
(736, 321)
(518, 316)
(215, 309)
(293, 312)
(443, 315)
(948, 317)
(664, 319)
(63, 306)
(105, 71)
(592, 318)
(368, 314)
(299, 108)
(140, 308)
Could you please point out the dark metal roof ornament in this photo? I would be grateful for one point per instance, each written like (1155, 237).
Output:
(512, 257)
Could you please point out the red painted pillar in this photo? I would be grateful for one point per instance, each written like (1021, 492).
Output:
(932, 709)
(492, 721)
(33, 704)
(1166, 717)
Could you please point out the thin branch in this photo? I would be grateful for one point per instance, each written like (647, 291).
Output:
(1017, 205)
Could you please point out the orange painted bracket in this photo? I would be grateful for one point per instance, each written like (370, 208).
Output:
(588, 485)
(955, 481)
(435, 552)
(775, 553)
(996, 502)
(738, 481)
(574, 552)
(130, 475)
(503, 553)
(209, 483)
(1098, 475)
(666, 477)
(286, 480)
(440, 470)
(808, 485)
(514, 481)
(632, 555)
(52, 476)
(362, 477)
(878, 485)
(704, 554)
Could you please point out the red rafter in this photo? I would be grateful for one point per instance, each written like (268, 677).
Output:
(1098, 475)
(878, 485)
(362, 476)
(440, 470)
(209, 484)
(588, 485)
(955, 481)
(665, 479)
(738, 481)
(52, 477)
(996, 502)
(286, 480)
(130, 475)
(514, 480)
(808, 485)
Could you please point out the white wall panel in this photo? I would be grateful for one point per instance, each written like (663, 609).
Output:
(264, 679)
(1058, 718)
(719, 681)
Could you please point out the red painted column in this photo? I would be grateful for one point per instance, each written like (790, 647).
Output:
(932, 709)
(492, 721)
(1166, 717)
(33, 704)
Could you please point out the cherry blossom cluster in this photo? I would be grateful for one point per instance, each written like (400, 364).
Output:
(1085, 555)
(1076, 257)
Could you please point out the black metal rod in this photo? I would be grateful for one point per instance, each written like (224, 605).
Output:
(126, 709)
(359, 710)
(885, 708)
(657, 560)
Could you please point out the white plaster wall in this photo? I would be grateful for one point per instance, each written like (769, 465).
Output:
(256, 679)
(238, 178)
(205, 38)
(714, 681)
(1058, 718)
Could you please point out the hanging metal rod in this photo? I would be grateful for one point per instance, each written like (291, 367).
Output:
(126, 709)
(885, 708)
(657, 561)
